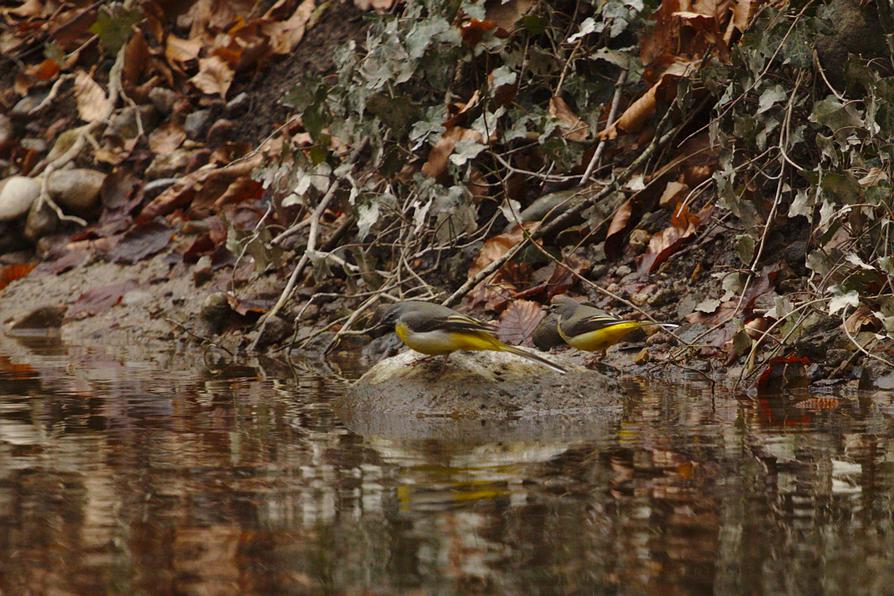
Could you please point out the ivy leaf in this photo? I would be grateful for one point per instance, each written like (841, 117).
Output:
(745, 248)
(887, 265)
(832, 113)
(367, 216)
(770, 98)
(802, 204)
(502, 76)
(113, 26)
(839, 302)
(708, 306)
(589, 25)
(465, 150)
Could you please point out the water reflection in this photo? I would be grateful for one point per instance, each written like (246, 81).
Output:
(135, 472)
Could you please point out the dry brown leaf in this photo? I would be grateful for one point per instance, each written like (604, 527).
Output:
(376, 5)
(29, 8)
(506, 14)
(663, 244)
(285, 35)
(93, 104)
(641, 111)
(742, 11)
(672, 192)
(206, 16)
(182, 50)
(572, 127)
(214, 76)
(165, 139)
(635, 116)
(436, 164)
(497, 246)
(203, 186)
(617, 227)
(518, 322)
(136, 57)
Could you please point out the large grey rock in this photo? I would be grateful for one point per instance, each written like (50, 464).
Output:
(480, 396)
(77, 190)
(16, 195)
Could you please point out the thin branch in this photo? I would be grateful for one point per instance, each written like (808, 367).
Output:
(564, 219)
(597, 155)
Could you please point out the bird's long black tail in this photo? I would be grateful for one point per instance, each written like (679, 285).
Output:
(534, 357)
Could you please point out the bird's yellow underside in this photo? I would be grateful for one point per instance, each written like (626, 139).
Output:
(437, 343)
(601, 338)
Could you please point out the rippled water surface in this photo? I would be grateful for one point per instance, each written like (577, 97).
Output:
(154, 474)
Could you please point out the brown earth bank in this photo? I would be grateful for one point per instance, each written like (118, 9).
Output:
(163, 306)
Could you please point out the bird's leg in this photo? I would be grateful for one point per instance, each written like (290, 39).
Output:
(595, 360)
(423, 361)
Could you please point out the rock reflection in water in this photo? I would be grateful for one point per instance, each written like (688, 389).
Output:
(131, 472)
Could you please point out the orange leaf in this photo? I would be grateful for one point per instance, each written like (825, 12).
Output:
(662, 245)
(46, 70)
(10, 273)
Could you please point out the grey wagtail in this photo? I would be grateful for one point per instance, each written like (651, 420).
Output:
(592, 330)
(436, 330)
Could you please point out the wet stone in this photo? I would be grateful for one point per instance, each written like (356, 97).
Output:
(409, 395)
(43, 318)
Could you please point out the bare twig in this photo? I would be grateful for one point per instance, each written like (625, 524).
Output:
(564, 219)
(309, 251)
(597, 155)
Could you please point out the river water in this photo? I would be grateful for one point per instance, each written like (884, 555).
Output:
(157, 474)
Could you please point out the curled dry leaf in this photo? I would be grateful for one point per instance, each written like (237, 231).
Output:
(572, 127)
(436, 164)
(204, 186)
(214, 76)
(641, 111)
(285, 35)
(93, 104)
(614, 238)
(673, 192)
(377, 5)
(518, 322)
(497, 246)
(165, 139)
(666, 242)
(505, 14)
(182, 50)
